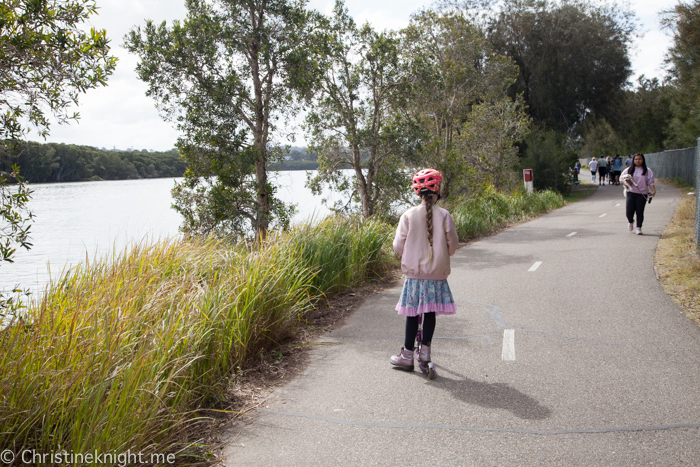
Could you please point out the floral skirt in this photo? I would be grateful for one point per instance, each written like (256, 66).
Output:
(426, 295)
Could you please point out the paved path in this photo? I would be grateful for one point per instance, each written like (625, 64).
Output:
(604, 368)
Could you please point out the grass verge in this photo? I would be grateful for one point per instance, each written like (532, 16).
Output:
(677, 261)
(584, 190)
(492, 211)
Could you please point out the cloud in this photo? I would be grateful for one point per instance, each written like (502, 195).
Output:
(648, 52)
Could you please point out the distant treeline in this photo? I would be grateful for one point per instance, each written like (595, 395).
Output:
(299, 154)
(296, 159)
(55, 162)
(294, 165)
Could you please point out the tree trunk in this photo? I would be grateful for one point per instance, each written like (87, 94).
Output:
(261, 90)
(445, 187)
(361, 182)
(262, 217)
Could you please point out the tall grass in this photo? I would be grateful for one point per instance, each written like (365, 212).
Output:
(343, 252)
(491, 211)
(123, 354)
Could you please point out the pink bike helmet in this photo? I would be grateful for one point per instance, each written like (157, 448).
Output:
(427, 180)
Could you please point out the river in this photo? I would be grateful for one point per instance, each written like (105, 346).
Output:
(75, 221)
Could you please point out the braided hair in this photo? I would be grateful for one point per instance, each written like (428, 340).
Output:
(428, 197)
(426, 183)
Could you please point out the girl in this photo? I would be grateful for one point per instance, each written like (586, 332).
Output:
(637, 195)
(425, 238)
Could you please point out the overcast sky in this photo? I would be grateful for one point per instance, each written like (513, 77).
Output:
(121, 116)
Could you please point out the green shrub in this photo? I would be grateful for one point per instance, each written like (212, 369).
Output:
(552, 158)
(343, 252)
(490, 211)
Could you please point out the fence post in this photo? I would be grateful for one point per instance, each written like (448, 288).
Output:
(697, 196)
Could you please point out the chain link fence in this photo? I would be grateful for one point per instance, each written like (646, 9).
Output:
(676, 163)
(683, 164)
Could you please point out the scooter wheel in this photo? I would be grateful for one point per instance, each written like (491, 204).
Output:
(431, 370)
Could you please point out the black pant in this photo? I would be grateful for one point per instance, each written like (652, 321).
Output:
(635, 203)
(412, 330)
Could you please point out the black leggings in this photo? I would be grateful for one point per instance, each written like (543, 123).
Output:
(412, 330)
(635, 203)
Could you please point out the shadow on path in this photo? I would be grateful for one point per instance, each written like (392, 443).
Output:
(491, 395)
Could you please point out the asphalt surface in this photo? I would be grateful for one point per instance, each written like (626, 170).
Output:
(604, 368)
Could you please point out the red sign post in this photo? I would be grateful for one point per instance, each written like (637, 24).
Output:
(528, 176)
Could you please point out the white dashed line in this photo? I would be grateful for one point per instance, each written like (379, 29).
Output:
(617, 204)
(603, 215)
(534, 266)
(508, 352)
(571, 234)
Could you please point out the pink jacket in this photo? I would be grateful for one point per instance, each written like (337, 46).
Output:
(643, 182)
(411, 242)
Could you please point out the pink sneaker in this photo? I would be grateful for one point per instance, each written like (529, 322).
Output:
(639, 231)
(630, 227)
(404, 360)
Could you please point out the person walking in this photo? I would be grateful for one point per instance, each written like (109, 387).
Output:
(602, 170)
(628, 161)
(639, 192)
(611, 177)
(425, 238)
(594, 167)
(617, 169)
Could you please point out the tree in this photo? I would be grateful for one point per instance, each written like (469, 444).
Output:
(684, 60)
(46, 61)
(14, 231)
(641, 123)
(572, 56)
(38, 162)
(600, 139)
(452, 70)
(551, 155)
(647, 116)
(487, 144)
(352, 123)
(224, 75)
